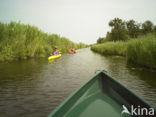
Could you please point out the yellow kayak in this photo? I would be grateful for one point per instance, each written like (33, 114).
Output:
(54, 57)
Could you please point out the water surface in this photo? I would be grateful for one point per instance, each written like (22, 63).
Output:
(33, 88)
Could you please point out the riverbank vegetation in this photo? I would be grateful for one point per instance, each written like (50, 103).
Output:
(110, 48)
(142, 51)
(23, 41)
(137, 42)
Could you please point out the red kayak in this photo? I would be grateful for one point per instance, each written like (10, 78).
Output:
(72, 52)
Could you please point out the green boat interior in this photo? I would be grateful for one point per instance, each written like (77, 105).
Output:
(101, 96)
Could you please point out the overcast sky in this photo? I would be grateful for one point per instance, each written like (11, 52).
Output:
(79, 20)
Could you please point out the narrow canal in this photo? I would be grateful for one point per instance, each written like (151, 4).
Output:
(33, 88)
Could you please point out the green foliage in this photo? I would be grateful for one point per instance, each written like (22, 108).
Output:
(20, 41)
(117, 23)
(118, 31)
(82, 45)
(101, 40)
(147, 27)
(139, 51)
(118, 35)
(110, 48)
(142, 51)
(133, 28)
(124, 30)
(154, 29)
(108, 36)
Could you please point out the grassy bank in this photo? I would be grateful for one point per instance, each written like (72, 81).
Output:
(21, 41)
(140, 51)
(110, 48)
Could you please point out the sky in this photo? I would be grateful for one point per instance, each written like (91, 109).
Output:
(79, 20)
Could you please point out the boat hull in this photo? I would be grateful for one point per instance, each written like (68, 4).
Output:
(54, 57)
(74, 52)
(101, 96)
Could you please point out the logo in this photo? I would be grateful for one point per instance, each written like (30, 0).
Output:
(137, 110)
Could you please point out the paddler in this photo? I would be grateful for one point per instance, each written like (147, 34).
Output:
(72, 51)
(56, 51)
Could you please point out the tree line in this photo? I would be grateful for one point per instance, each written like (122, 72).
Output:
(124, 30)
